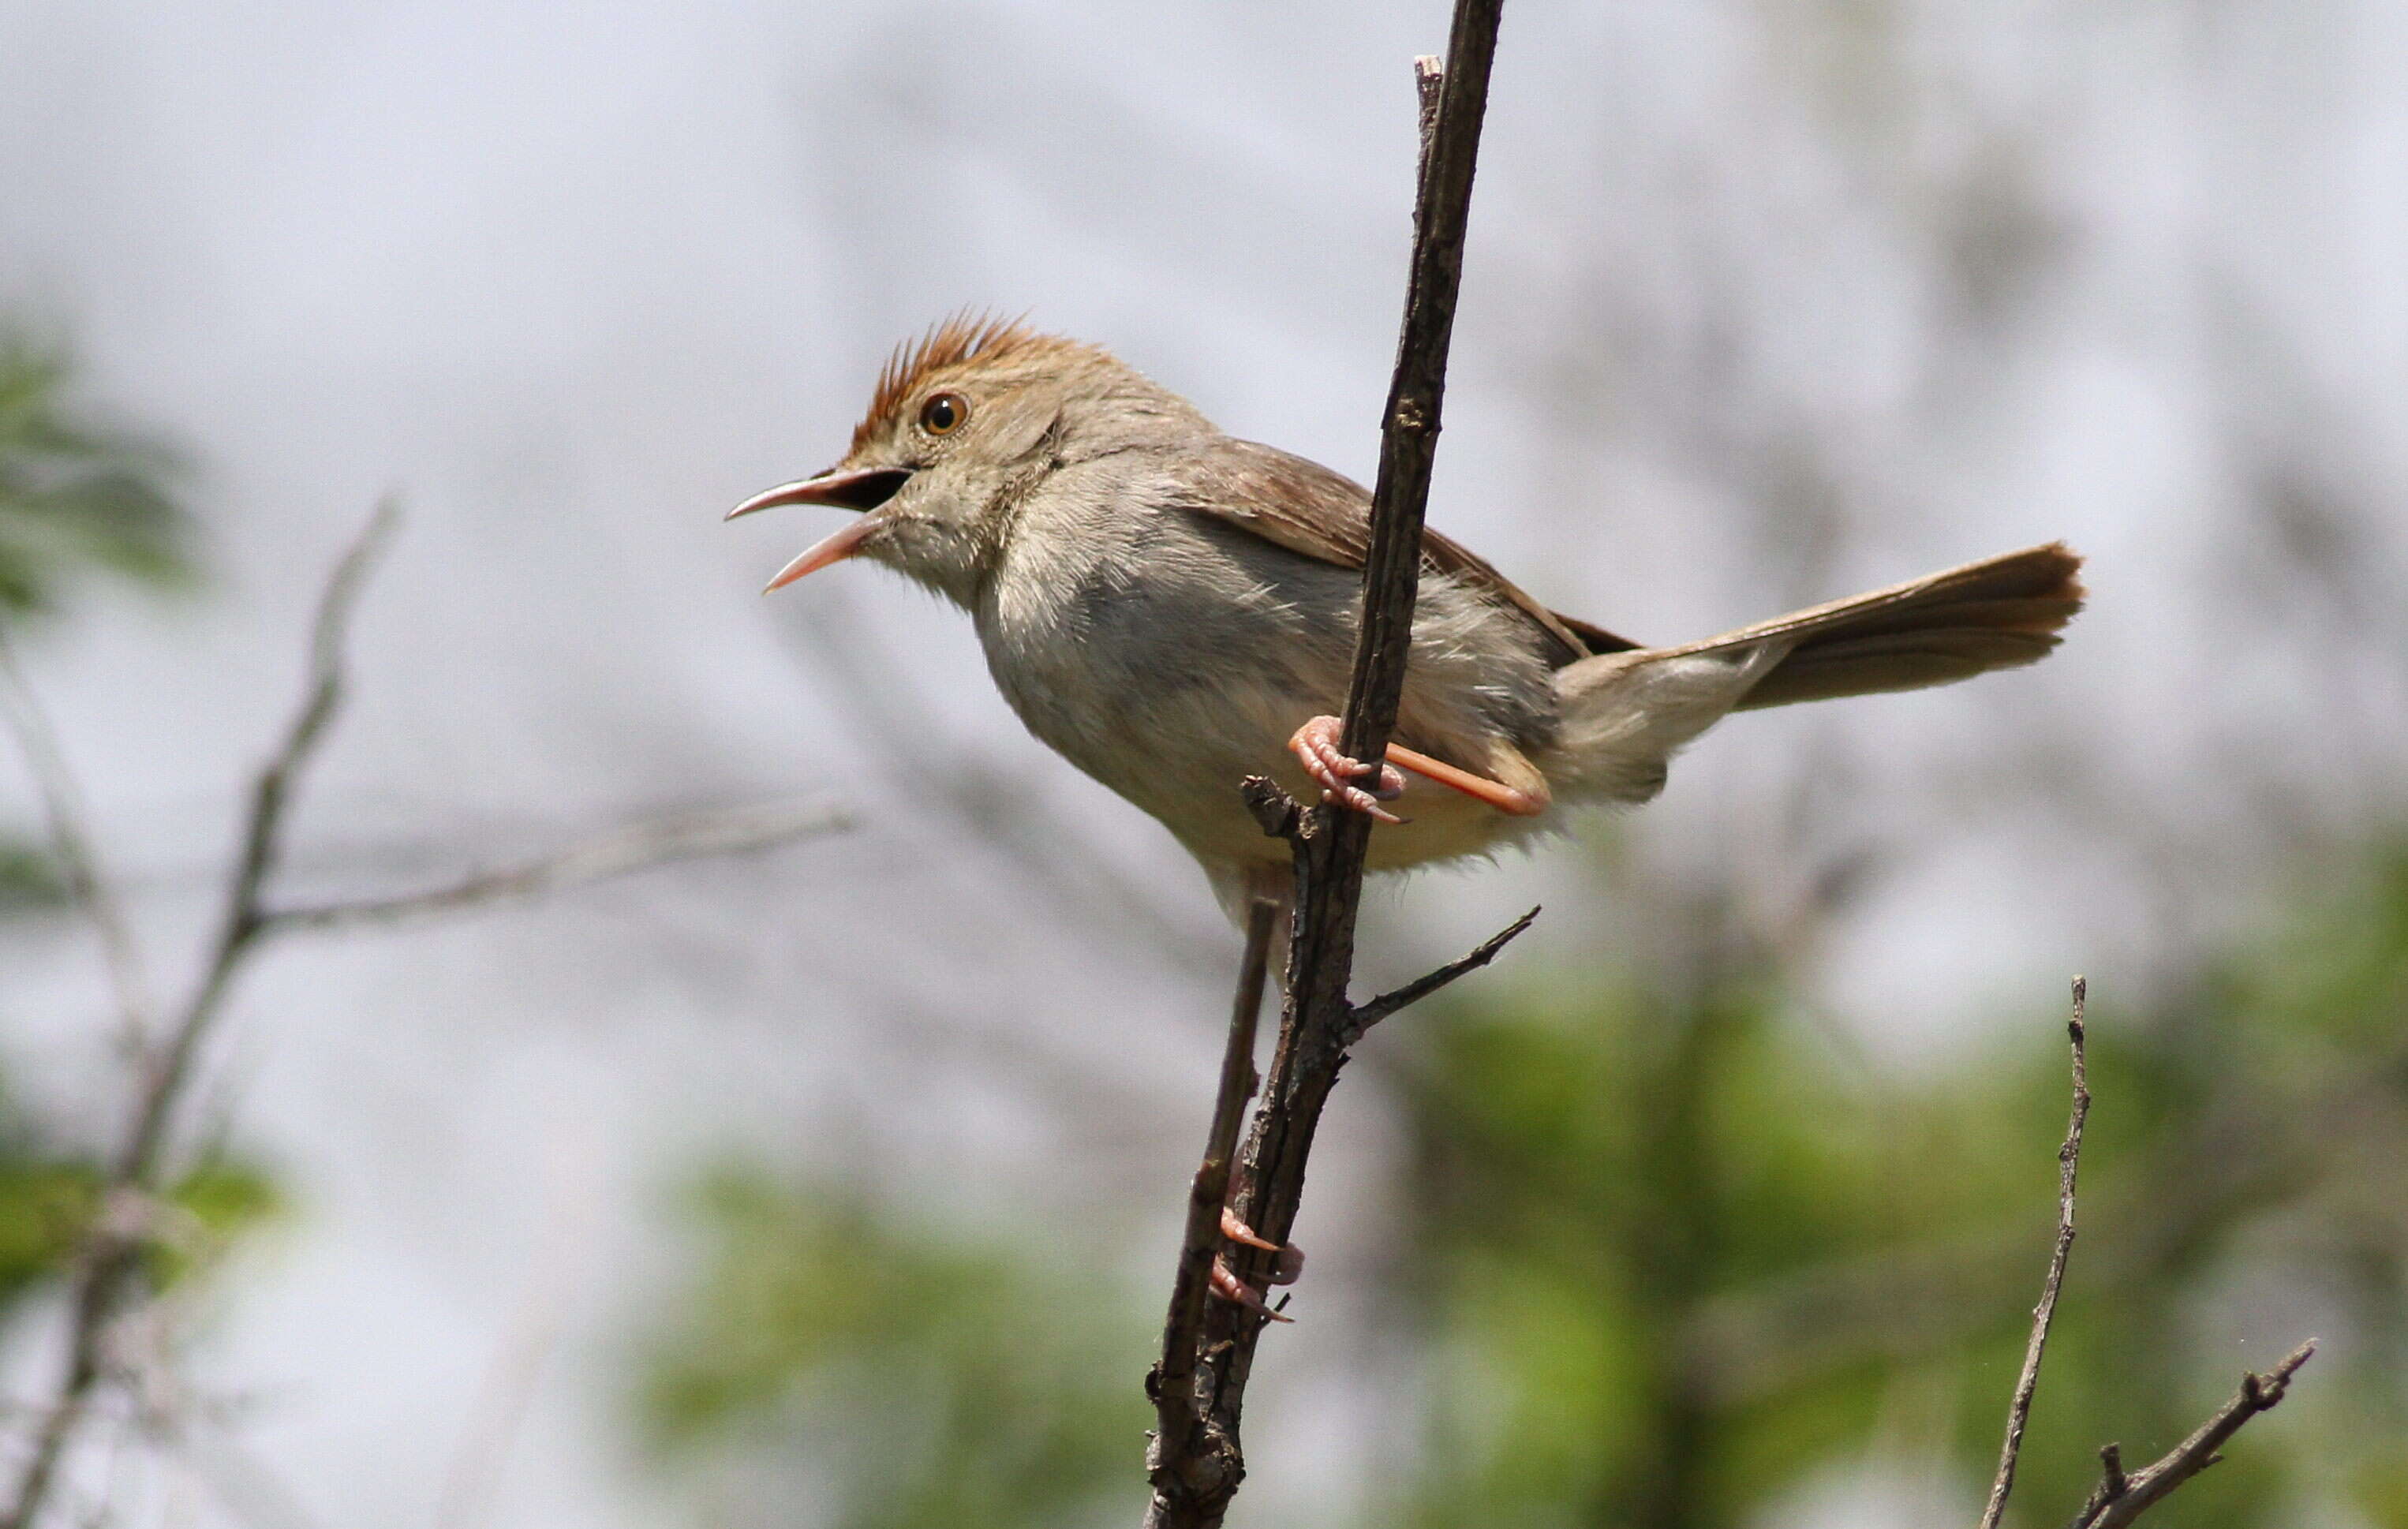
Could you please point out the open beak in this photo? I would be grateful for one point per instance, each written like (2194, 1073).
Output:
(865, 489)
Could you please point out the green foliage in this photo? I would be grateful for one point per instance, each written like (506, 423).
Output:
(930, 1383)
(74, 494)
(45, 1204)
(49, 1196)
(1682, 1255)
(29, 879)
(215, 1205)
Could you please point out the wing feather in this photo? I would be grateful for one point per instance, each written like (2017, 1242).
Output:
(1298, 504)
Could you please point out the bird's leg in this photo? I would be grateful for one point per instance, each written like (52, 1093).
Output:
(1320, 744)
(1226, 1283)
(1504, 798)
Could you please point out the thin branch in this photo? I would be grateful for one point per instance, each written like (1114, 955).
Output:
(622, 851)
(2069, 1159)
(1181, 1415)
(66, 814)
(245, 916)
(1193, 1481)
(112, 1259)
(2119, 1499)
(1366, 1015)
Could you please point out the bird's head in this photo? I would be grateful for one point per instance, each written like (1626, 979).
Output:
(965, 420)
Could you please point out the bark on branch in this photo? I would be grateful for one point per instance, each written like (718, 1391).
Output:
(2069, 1162)
(1198, 1463)
(2120, 1498)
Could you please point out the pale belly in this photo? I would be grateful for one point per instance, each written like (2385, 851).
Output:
(1173, 689)
(1180, 748)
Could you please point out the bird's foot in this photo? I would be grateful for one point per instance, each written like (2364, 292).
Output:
(1226, 1284)
(1319, 745)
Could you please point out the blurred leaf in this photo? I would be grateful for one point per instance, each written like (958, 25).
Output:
(45, 1205)
(29, 879)
(221, 1201)
(77, 494)
(1684, 1258)
(933, 1383)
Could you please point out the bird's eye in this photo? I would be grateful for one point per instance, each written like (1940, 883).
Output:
(943, 413)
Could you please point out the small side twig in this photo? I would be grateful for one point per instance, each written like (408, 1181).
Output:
(1364, 1015)
(2069, 1162)
(2119, 1499)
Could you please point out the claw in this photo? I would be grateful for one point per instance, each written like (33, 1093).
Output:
(1290, 1266)
(1230, 1287)
(1237, 1231)
(1318, 745)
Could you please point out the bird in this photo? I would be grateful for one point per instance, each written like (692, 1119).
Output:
(1173, 608)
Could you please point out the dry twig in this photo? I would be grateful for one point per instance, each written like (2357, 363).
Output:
(2118, 1499)
(1196, 1464)
(620, 851)
(2069, 1161)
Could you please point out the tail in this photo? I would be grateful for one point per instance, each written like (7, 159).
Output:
(1999, 613)
(1624, 714)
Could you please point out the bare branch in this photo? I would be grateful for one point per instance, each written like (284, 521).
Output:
(244, 918)
(622, 851)
(110, 1259)
(2069, 1159)
(67, 815)
(2120, 1499)
(1197, 1471)
(1366, 1015)
(1183, 1418)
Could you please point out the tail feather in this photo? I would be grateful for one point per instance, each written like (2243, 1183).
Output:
(1626, 713)
(1996, 614)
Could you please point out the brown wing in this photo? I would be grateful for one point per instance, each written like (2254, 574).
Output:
(1305, 507)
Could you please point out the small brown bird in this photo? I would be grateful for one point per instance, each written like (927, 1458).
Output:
(1173, 610)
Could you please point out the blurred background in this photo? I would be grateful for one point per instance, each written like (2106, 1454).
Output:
(838, 1185)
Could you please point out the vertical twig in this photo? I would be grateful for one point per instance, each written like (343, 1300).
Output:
(1180, 1413)
(1199, 1463)
(2069, 1159)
